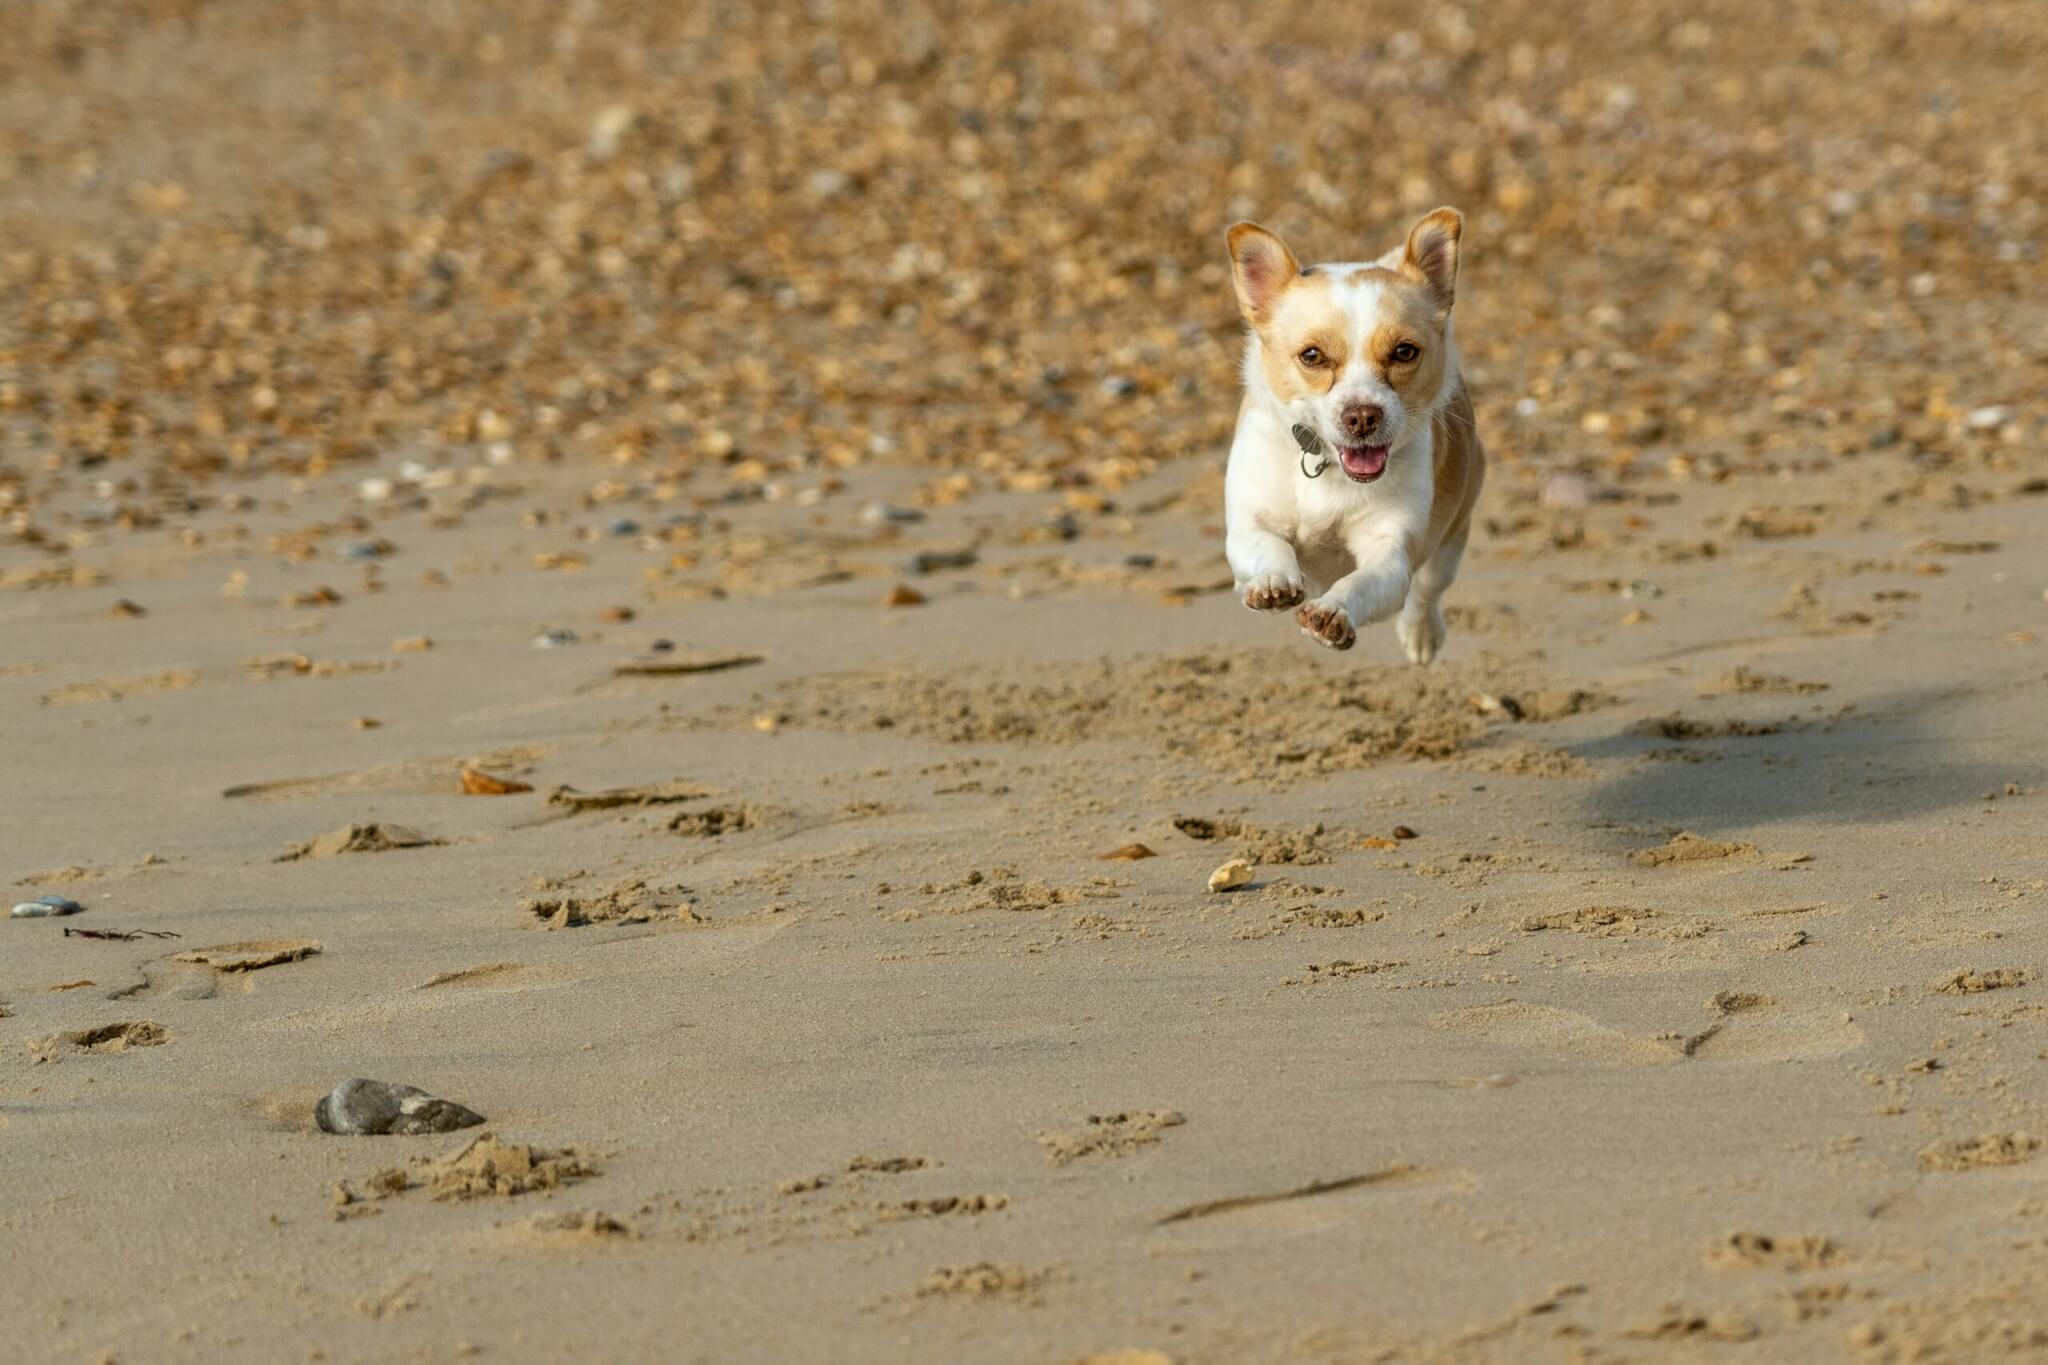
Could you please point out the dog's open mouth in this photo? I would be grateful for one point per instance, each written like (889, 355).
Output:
(1362, 464)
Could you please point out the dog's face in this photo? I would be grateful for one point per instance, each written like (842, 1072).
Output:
(1354, 352)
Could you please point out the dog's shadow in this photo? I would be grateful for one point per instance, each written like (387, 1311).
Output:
(1898, 756)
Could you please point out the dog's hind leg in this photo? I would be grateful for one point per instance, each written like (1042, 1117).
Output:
(1421, 626)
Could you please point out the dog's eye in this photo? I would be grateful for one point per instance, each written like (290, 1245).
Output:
(1311, 357)
(1406, 352)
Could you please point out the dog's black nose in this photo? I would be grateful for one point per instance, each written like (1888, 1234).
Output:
(1362, 420)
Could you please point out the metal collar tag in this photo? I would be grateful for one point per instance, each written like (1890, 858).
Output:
(1310, 445)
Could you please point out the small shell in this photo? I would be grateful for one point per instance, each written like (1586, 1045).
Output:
(478, 783)
(1233, 874)
(43, 906)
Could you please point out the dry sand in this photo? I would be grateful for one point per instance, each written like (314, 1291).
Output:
(1657, 978)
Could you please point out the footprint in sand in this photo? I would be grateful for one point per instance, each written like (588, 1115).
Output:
(1753, 1028)
(170, 980)
(1743, 1028)
(1556, 1032)
(583, 1228)
(489, 974)
(203, 973)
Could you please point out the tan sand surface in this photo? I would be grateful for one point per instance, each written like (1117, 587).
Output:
(1657, 978)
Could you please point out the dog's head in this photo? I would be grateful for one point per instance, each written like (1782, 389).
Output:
(1357, 353)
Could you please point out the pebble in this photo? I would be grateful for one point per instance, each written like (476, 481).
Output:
(882, 514)
(43, 906)
(608, 128)
(554, 639)
(360, 1108)
(1233, 874)
(624, 526)
(1567, 490)
(1989, 419)
(1063, 526)
(937, 561)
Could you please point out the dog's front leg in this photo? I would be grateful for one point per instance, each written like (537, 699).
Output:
(1268, 573)
(1372, 591)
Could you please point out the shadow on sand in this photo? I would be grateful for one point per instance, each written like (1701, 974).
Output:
(1902, 756)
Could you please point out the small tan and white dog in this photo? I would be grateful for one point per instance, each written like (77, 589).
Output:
(1351, 370)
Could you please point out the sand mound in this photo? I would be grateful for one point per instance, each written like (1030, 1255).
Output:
(1975, 1153)
(488, 1167)
(1970, 981)
(104, 1038)
(631, 901)
(1257, 715)
(1691, 848)
(1110, 1135)
(370, 838)
(984, 1280)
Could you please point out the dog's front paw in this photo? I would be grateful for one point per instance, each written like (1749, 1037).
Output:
(1327, 623)
(1422, 636)
(1274, 592)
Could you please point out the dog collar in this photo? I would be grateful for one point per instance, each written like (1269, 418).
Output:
(1310, 445)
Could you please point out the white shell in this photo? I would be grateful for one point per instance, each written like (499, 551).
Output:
(1231, 875)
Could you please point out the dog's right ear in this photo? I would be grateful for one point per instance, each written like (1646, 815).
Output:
(1260, 267)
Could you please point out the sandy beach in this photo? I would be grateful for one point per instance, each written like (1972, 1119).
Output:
(658, 577)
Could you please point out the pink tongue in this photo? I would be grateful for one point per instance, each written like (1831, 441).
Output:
(1363, 461)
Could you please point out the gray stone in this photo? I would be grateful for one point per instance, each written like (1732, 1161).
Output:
(43, 906)
(358, 1108)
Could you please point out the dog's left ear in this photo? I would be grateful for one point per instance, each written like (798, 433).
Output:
(1432, 254)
